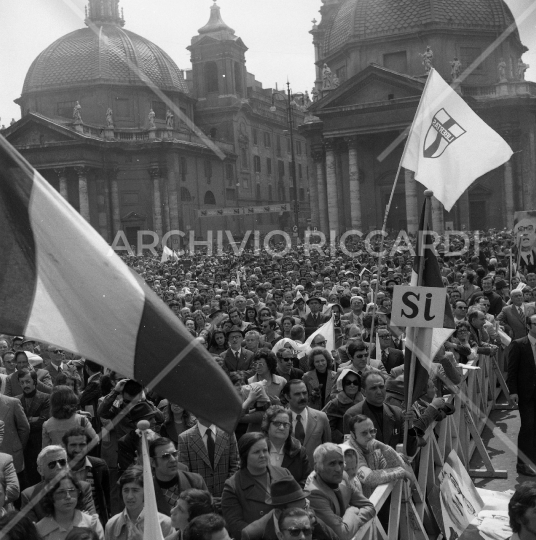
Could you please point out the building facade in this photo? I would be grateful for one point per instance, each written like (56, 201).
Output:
(371, 67)
(115, 126)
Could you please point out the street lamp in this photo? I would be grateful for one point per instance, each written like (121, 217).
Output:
(288, 97)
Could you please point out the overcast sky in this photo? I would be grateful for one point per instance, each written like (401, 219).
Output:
(275, 31)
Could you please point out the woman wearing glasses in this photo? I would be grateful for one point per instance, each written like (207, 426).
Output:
(377, 463)
(348, 394)
(62, 508)
(285, 450)
(129, 524)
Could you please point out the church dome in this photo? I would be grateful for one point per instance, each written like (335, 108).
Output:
(103, 53)
(355, 20)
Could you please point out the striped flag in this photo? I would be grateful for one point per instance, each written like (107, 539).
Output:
(428, 340)
(61, 283)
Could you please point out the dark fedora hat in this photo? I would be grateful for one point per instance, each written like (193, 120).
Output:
(285, 491)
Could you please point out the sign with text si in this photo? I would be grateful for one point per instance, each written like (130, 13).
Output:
(420, 307)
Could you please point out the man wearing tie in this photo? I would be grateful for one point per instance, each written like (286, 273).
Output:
(56, 365)
(210, 452)
(525, 232)
(309, 426)
(514, 316)
(522, 387)
(237, 358)
(315, 319)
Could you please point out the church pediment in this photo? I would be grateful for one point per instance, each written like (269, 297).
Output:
(133, 216)
(373, 85)
(32, 131)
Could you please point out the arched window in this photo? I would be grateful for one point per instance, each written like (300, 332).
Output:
(211, 77)
(185, 195)
(209, 198)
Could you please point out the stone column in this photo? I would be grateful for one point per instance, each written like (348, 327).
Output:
(355, 188)
(318, 156)
(82, 173)
(412, 210)
(165, 203)
(313, 199)
(157, 201)
(108, 206)
(172, 176)
(509, 195)
(331, 187)
(101, 208)
(62, 175)
(116, 216)
(463, 206)
(438, 221)
(342, 196)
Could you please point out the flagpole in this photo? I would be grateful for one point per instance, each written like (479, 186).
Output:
(428, 194)
(388, 208)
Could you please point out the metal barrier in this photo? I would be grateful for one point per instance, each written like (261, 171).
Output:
(410, 517)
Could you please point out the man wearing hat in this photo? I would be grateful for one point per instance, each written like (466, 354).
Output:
(315, 319)
(236, 358)
(285, 493)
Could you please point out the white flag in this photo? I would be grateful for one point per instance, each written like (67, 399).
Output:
(449, 145)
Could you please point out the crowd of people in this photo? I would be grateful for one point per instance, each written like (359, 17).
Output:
(321, 426)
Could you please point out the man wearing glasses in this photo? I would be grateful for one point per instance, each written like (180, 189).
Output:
(171, 477)
(50, 461)
(514, 317)
(58, 365)
(525, 240)
(389, 355)
(460, 311)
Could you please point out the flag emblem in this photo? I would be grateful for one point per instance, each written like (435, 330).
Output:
(442, 133)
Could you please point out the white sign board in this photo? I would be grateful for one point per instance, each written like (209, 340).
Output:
(419, 307)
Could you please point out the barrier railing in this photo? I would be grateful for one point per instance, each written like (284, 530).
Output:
(410, 516)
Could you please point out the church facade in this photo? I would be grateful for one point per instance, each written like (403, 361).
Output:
(372, 59)
(134, 143)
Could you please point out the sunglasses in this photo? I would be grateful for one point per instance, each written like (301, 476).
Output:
(166, 456)
(58, 352)
(52, 464)
(352, 382)
(360, 355)
(296, 531)
(321, 342)
(66, 493)
(372, 431)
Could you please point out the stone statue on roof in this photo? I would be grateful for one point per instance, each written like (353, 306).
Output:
(327, 78)
(427, 58)
(306, 99)
(169, 119)
(109, 118)
(314, 93)
(77, 114)
(501, 68)
(455, 68)
(521, 68)
(151, 117)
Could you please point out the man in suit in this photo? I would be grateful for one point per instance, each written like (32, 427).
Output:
(525, 231)
(390, 356)
(89, 400)
(315, 319)
(387, 419)
(207, 450)
(477, 320)
(171, 477)
(16, 431)
(285, 493)
(522, 387)
(340, 505)
(36, 406)
(356, 315)
(58, 365)
(44, 382)
(309, 426)
(514, 317)
(51, 460)
(236, 358)
(89, 469)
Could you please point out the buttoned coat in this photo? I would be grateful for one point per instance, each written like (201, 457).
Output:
(244, 364)
(317, 431)
(311, 381)
(244, 499)
(8, 478)
(312, 324)
(344, 522)
(514, 324)
(16, 430)
(194, 454)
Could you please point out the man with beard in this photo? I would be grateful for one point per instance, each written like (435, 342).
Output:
(89, 469)
(36, 407)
